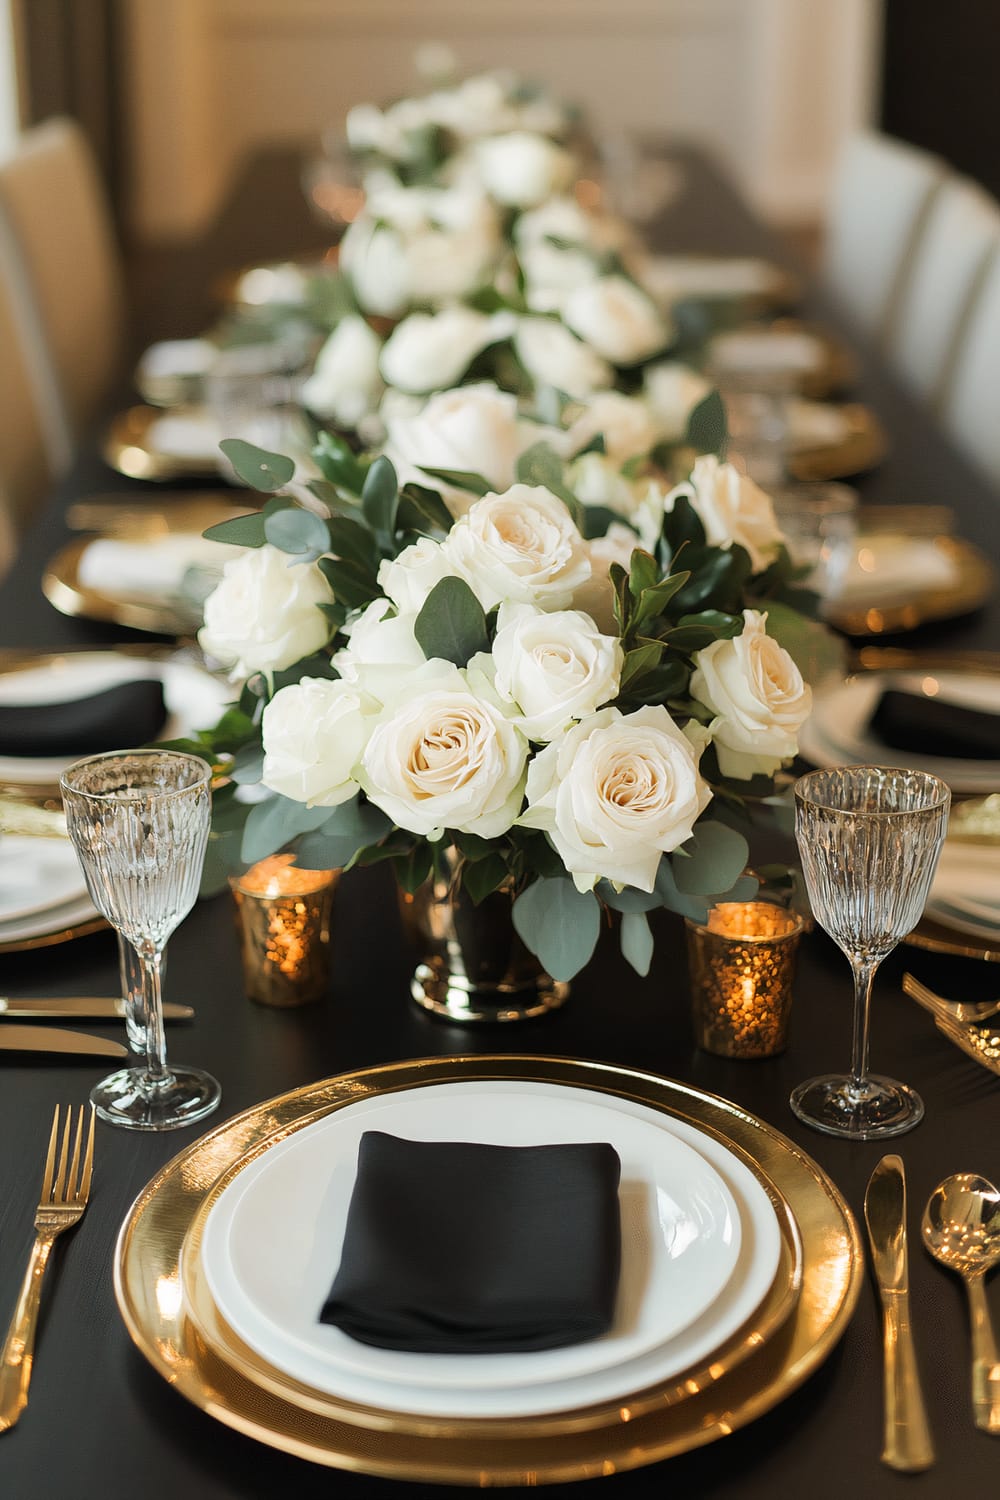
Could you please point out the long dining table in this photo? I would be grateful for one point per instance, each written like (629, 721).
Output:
(101, 1424)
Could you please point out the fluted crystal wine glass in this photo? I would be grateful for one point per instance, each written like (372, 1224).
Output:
(139, 820)
(869, 838)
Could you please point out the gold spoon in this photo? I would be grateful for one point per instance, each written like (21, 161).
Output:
(961, 1229)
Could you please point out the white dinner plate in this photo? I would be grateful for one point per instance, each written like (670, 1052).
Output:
(837, 732)
(46, 924)
(272, 1246)
(194, 698)
(965, 894)
(37, 875)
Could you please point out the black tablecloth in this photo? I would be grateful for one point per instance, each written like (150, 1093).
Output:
(102, 1425)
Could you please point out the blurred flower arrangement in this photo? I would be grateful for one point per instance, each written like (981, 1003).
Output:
(517, 623)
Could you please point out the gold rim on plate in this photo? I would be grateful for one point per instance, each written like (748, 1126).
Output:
(862, 446)
(150, 1295)
(972, 586)
(128, 449)
(937, 937)
(765, 1320)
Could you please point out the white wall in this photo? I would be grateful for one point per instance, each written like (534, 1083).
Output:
(770, 85)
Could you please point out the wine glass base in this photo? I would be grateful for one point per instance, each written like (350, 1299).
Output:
(835, 1105)
(184, 1096)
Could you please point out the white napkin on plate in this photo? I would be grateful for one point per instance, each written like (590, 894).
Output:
(887, 567)
(766, 350)
(193, 434)
(176, 357)
(679, 276)
(152, 568)
(814, 424)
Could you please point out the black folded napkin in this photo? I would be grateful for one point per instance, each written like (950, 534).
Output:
(930, 726)
(131, 713)
(460, 1248)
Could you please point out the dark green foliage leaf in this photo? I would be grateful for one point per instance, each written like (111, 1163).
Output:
(640, 661)
(414, 868)
(352, 541)
(257, 467)
(595, 520)
(711, 860)
(338, 464)
(718, 579)
(422, 510)
(485, 876)
(379, 497)
(706, 429)
(542, 465)
(644, 572)
(352, 584)
(559, 924)
(241, 531)
(462, 479)
(274, 823)
(451, 624)
(680, 525)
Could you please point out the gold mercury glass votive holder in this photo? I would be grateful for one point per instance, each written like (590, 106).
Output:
(283, 922)
(741, 964)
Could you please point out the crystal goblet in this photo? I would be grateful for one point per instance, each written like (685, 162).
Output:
(139, 821)
(869, 838)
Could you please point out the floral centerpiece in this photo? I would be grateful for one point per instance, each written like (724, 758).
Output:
(496, 688)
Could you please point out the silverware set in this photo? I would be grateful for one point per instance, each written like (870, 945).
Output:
(957, 1021)
(46, 1038)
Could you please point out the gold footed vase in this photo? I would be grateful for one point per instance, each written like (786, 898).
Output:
(471, 966)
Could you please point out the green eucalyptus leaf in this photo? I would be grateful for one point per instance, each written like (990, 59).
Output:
(352, 541)
(461, 479)
(241, 531)
(257, 467)
(298, 532)
(380, 496)
(711, 859)
(559, 924)
(706, 429)
(272, 824)
(540, 464)
(628, 898)
(451, 623)
(636, 941)
(695, 907)
(248, 765)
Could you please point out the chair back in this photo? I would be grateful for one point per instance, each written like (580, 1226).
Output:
(882, 194)
(972, 402)
(54, 202)
(947, 269)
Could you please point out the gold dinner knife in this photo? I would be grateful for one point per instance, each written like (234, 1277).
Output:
(56, 1039)
(82, 1008)
(907, 1438)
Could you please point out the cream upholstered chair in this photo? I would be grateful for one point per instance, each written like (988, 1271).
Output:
(35, 441)
(882, 194)
(972, 402)
(947, 267)
(54, 202)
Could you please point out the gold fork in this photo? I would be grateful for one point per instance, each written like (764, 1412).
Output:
(65, 1190)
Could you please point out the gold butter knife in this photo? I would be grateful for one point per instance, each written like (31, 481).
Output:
(82, 1007)
(907, 1441)
(55, 1039)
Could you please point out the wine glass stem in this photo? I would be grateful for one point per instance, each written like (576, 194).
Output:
(864, 974)
(156, 1074)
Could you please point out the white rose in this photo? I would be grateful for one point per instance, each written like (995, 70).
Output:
(446, 756)
(597, 480)
(314, 732)
(521, 546)
(616, 793)
(263, 615)
(625, 422)
(475, 428)
(416, 246)
(673, 391)
(555, 667)
(596, 596)
(408, 578)
(377, 638)
(373, 256)
(618, 319)
(564, 219)
(551, 273)
(431, 351)
(732, 509)
(756, 690)
(345, 384)
(554, 356)
(521, 170)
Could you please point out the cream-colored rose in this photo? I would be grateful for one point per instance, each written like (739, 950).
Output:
(473, 429)
(377, 638)
(553, 356)
(565, 220)
(522, 546)
(314, 732)
(616, 793)
(673, 391)
(626, 423)
(756, 691)
(373, 256)
(553, 667)
(408, 578)
(418, 247)
(345, 384)
(432, 351)
(521, 170)
(617, 319)
(445, 755)
(553, 272)
(597, 480)
(264, 614)
(596, 596)
(732, 509)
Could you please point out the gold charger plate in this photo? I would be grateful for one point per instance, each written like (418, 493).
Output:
(970, 587)
(150, 1296)
(129, 448)
(863, 445)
